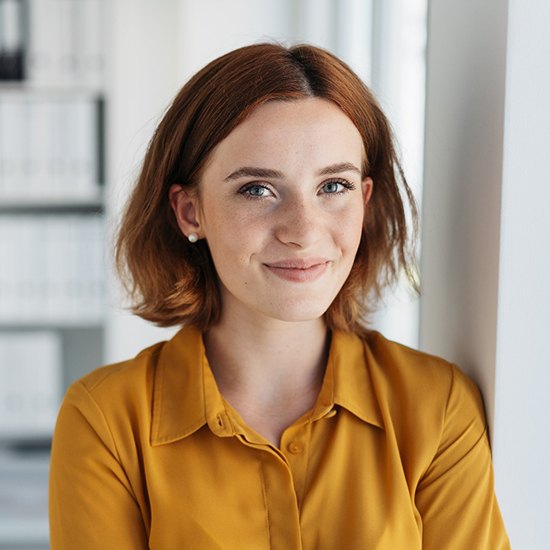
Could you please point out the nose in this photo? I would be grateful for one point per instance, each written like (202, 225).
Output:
(298, 223)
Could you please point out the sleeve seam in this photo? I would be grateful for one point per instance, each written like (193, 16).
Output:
(112, 443)
(448, 400)
(476, 443)
(443, 424)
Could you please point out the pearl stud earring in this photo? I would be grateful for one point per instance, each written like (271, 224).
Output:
(192, 237)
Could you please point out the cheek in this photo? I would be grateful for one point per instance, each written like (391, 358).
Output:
(350, 228)
(232, 239)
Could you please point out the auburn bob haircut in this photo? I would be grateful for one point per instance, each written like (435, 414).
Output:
(172, 282)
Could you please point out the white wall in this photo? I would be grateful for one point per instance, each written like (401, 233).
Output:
(210, 28)
(486, 238)
(398, 80)
(463, 172)
(522, 407)
(142, 80)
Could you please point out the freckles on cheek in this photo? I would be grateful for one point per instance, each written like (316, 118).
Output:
(350, 224)
(350, 236)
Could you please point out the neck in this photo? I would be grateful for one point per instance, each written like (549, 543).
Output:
(267, 358)
(270, 372)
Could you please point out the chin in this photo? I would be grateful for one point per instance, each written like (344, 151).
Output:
(299, 313)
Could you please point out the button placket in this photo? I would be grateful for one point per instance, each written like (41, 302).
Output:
(294, 446)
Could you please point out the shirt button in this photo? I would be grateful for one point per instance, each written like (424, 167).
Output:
(295, 448)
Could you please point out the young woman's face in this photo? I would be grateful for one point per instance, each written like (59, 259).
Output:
(281, 205)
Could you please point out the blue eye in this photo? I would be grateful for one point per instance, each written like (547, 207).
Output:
(336, 186)
(332, 187)
(254, 190)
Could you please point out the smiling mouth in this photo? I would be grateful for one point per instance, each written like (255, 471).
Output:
(299, 271)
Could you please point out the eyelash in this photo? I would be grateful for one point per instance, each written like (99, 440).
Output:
(347, 185)
(244, 191)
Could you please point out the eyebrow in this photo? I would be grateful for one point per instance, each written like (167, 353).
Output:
(338, 168)
(255, 172)
(252, 171)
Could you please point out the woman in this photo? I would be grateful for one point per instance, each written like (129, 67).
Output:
(270, 204)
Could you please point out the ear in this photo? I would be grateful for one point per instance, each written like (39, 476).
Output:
(185, 205)
(366, 187)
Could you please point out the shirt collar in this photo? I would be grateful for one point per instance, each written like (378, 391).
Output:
(179, 404)
(347, 379)
(185, 396)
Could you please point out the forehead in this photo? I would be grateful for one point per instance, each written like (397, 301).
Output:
(311, 130)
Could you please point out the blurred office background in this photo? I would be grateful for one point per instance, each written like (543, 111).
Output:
(83, 84)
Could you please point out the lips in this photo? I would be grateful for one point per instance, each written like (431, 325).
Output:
(299, 270)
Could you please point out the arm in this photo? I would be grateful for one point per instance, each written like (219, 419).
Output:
(92, 505)
(455, 496)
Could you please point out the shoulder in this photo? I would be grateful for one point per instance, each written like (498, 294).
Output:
(132, 377)
(426, 401)
(123, 399)
(407, 371)
(113, 401)
(110, 407)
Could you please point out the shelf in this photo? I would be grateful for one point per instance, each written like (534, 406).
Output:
(25, 438)
(25, 445)
(67, 323)
(53, 303)
(89, 201)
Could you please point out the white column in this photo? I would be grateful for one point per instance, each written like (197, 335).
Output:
(486, 232)
(522, 406)
(462, 185)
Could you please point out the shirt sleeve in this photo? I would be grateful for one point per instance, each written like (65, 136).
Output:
(456, 496)
(92, 505)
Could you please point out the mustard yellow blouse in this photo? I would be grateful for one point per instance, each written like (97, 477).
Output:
(394, 455)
